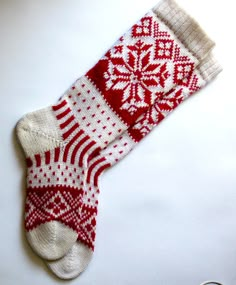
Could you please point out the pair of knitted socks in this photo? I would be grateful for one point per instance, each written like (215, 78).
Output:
(156, 65)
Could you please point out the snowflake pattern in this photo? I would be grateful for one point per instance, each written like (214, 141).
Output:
(146, 60)
(164, 104)
(136, 77)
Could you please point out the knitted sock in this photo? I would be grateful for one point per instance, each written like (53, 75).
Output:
(150, 59)
(79, 256)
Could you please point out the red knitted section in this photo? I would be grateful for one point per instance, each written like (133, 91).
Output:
(87, 225)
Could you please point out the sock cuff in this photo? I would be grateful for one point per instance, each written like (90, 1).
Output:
(186, 29)
(209, 68)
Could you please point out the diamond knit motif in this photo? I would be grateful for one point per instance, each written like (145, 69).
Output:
(52, 203)
(182, 73)
(143, 29)
(87, 226)
(164, 49)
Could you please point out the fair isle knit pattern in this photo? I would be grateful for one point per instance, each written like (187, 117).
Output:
(119, 148)
(60, 141)
(78, 257)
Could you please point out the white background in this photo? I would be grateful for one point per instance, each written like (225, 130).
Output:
(167, 212)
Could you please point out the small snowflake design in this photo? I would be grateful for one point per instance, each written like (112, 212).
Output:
(137, 76)
(164, 104)
(164, 49)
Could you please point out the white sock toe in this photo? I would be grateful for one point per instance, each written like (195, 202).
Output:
(51, 240)
(73, 263)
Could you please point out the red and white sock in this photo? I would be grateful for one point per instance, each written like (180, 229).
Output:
(150, 59)
(79, 256)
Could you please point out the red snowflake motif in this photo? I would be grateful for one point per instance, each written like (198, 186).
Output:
(164, 104)
(137, 76)
(168, 102)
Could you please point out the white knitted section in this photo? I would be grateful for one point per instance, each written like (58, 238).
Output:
(93, 114)
(46, 175)
(119, 148)
(51, 246)
(79, 255)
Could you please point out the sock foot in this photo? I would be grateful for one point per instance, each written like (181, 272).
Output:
(53, 187)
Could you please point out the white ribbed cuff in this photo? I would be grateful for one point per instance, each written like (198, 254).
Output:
(186, 29)
(209, 68)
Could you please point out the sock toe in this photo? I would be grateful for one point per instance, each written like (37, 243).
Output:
(51, 240)
(73, 263)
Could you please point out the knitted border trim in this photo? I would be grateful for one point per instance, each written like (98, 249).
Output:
(209, 68)
(184, 27)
